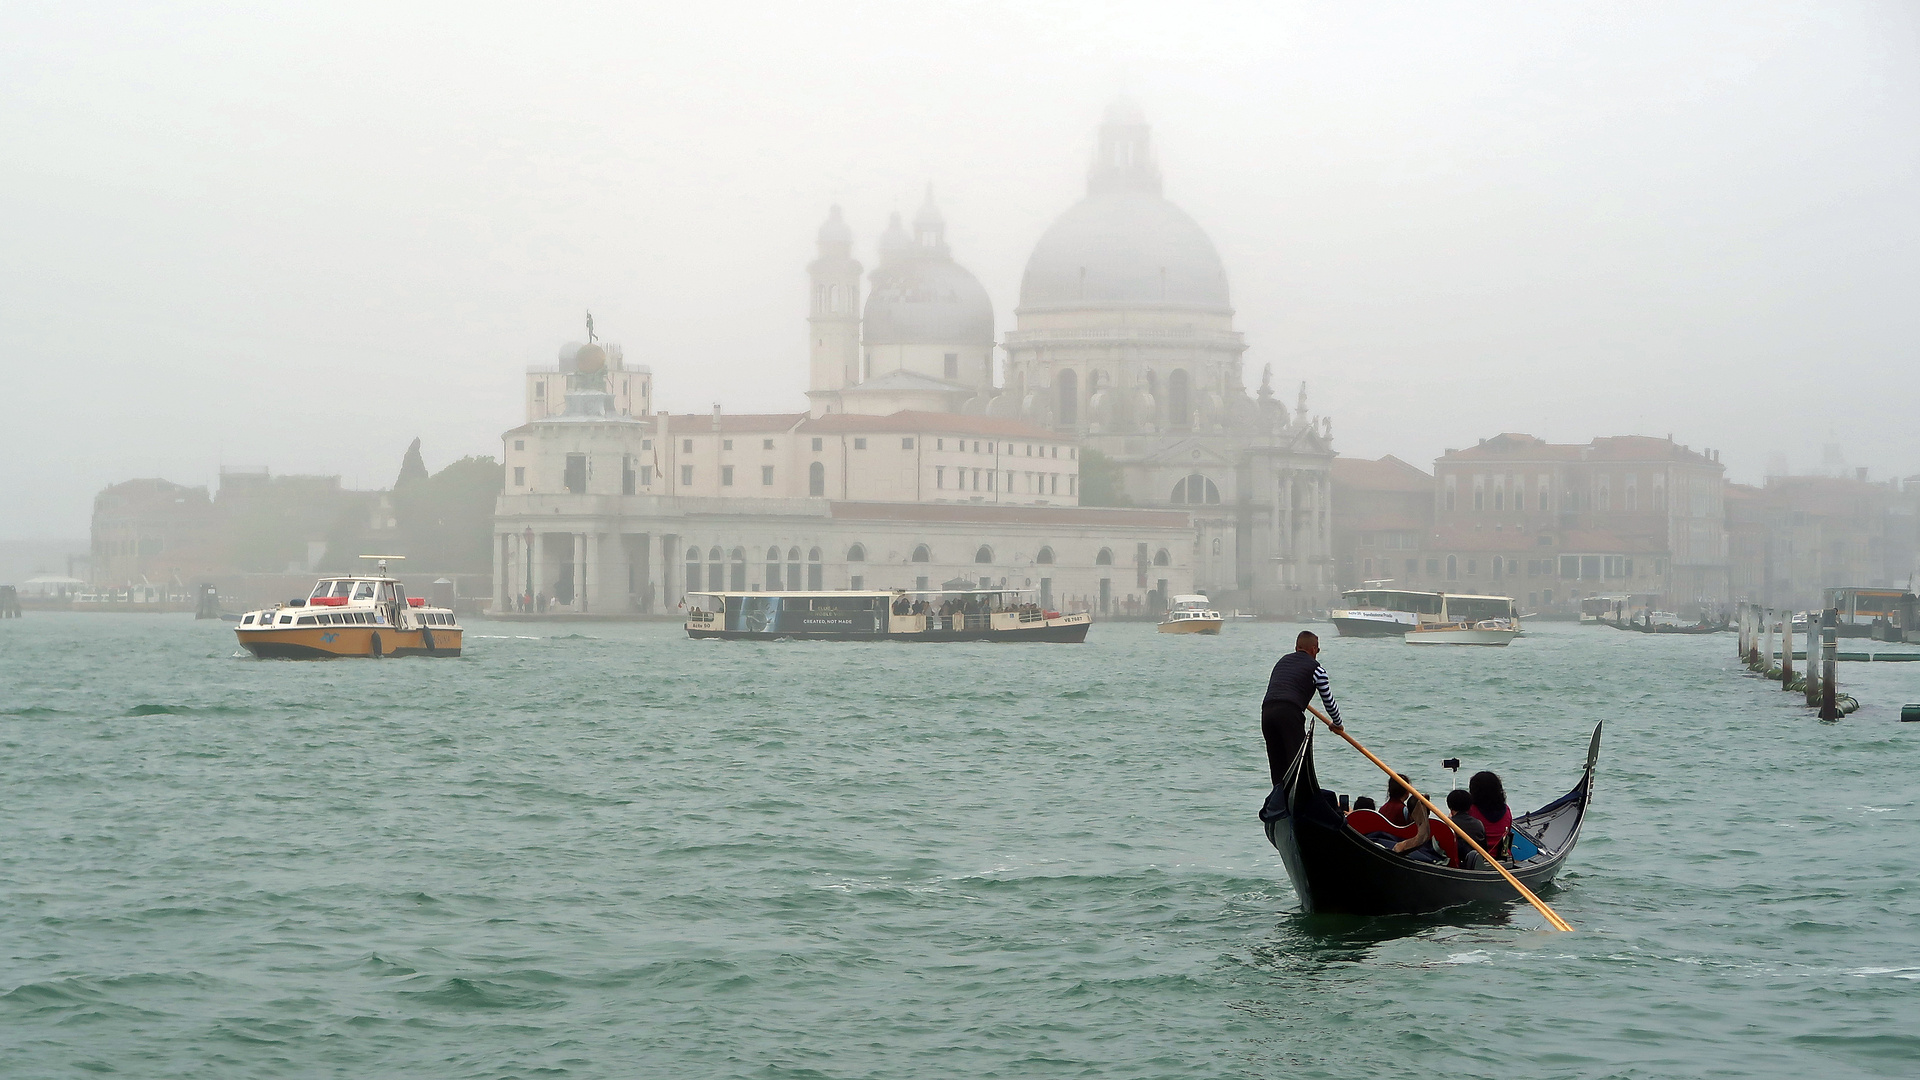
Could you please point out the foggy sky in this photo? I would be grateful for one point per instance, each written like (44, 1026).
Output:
(300, 238)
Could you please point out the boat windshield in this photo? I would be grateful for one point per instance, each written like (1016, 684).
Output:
(1476, 608)
(363, 590)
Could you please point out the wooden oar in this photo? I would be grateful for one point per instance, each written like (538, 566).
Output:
(1434, 812)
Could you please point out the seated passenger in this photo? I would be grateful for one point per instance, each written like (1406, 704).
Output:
(1395, 809)
(1459, 805)
(1489, 797)
(1420, 845)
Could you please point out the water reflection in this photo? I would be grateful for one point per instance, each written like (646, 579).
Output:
(1304, 941)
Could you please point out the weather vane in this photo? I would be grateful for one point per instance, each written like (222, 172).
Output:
(590, 338)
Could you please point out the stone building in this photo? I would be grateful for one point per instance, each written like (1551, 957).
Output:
(1550, 523)
(1797, 536)
(1383, 513)
(153, 531)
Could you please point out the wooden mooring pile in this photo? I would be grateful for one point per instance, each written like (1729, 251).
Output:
(1818, 680)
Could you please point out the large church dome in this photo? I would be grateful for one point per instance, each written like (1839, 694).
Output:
(919, 295)
(1124, 243)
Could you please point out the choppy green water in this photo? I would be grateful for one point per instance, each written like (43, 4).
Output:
(608, 851)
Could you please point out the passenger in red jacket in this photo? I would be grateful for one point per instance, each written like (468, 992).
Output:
(1490, 806)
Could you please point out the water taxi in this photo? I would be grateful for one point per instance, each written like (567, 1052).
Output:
(868, 615)
(1469, 620)
(1191, 614)
(1485, 632)
(351, 616)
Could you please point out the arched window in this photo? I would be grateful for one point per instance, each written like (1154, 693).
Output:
(774, 581)
(813, 569)
(857, 553)
(1179, 416)
(1161, 558)
(1195, 490)
(716, 569)
(921, 554)
(984, 555)
(793, 569)
(1499, 498)
(817, 480)
(1105, 558)
(1045, 558)
(1069, 398)
(693, 568)
(739, 575)
(1453, 568)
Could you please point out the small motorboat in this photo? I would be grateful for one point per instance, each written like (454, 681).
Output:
(1336, 869)
(1499, 632)
(1191, 614)
(368, 616)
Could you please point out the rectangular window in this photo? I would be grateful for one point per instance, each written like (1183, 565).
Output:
(766, 476)
(519, 476)
(857, 582)
(1433, 567)
(726, 476)
(726, 444)
(1570, 566)
(539, 391)
(1590, 567)
(976, 446)
(519, 444)
(1413, 567)
(646, 444)
(646, 476)
(939, 444)
(939, 476)
(686, 446)
(766, 444)
(816, 445)
(953, 365)
(575, 477)
(906, 444)
(1073, 484)
(859, 444)
(686, 475)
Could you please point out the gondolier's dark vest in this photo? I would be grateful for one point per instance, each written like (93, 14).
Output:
(1292, 681)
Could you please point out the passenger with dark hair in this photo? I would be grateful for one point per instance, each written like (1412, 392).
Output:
(1489, 798)
(1283, 712)
(1459, 803)
(1395, 809)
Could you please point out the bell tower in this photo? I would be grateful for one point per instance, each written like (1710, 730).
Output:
(833, 325)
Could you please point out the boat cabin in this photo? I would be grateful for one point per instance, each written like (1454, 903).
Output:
(897, 614)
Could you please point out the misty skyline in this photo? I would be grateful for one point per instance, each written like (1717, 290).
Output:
(300, 240)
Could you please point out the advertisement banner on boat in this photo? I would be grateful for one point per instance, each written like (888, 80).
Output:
(794, 615)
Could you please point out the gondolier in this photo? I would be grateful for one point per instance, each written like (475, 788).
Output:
(1283, 713)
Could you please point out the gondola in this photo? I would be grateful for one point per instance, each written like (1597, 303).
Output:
(1337, 870)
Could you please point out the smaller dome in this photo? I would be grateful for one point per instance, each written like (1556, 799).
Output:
(834, 232)
(923, 301)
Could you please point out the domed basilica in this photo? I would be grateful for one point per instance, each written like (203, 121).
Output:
(915, 467)
(1123, 341)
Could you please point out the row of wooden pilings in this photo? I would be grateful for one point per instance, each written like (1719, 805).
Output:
(1757, 627)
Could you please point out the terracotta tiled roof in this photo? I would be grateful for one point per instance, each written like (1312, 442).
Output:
(1386, 474)
(988, 513)
(1514, 446)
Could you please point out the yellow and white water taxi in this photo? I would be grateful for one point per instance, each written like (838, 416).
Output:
(1191, 614)
(351, 616)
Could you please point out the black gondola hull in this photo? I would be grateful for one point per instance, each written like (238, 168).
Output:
(1335, 870)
